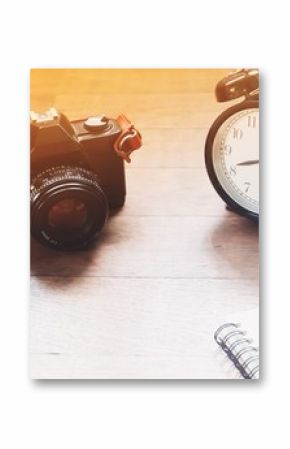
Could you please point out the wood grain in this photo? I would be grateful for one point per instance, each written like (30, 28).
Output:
(161, 247)
(143, 81)
(144, 300)
(137, 327)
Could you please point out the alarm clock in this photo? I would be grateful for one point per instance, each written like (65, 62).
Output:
(232, 144)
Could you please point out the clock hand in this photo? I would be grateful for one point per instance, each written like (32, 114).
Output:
(252, 162)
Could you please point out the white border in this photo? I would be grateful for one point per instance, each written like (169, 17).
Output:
(159, 34)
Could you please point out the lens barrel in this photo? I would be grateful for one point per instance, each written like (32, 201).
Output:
(68, 207)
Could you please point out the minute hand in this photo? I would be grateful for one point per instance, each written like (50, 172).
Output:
(252, 162)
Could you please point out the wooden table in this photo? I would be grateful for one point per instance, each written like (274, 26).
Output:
(145, 300)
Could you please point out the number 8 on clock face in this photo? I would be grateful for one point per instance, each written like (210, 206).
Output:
(232, 157)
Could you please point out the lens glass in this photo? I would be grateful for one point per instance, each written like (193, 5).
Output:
(69, 214)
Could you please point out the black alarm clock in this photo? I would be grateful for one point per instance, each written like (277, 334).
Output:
(232, 144)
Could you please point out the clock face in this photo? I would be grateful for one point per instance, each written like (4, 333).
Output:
(235, 158)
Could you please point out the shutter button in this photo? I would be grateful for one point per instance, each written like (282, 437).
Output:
(96, 123)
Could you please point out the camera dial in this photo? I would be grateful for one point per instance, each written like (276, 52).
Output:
(96, 123)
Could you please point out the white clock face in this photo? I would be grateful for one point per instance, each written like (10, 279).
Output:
(236, 158)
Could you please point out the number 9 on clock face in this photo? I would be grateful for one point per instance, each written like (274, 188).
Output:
(232, 158)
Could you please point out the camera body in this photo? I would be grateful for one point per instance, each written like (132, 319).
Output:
(55, 141)
(77, 175)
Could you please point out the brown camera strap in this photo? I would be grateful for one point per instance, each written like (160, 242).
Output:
(129, 140)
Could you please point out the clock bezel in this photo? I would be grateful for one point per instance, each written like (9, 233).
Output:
(232, 204)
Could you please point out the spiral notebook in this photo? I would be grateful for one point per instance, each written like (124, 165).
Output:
(238, 337)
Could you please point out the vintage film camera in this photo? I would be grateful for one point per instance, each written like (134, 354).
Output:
(77, 175)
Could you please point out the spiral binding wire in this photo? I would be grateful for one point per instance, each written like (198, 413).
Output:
(239, 349)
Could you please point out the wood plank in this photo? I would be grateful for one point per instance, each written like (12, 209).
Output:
(170, 148)
(112, 81)
(177, 111)
(204, 366)
(131, 328)
(171, 192)
(202, 247)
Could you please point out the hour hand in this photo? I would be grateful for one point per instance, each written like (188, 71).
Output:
(251, 162)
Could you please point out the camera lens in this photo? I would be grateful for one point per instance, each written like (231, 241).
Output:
(68, 207)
